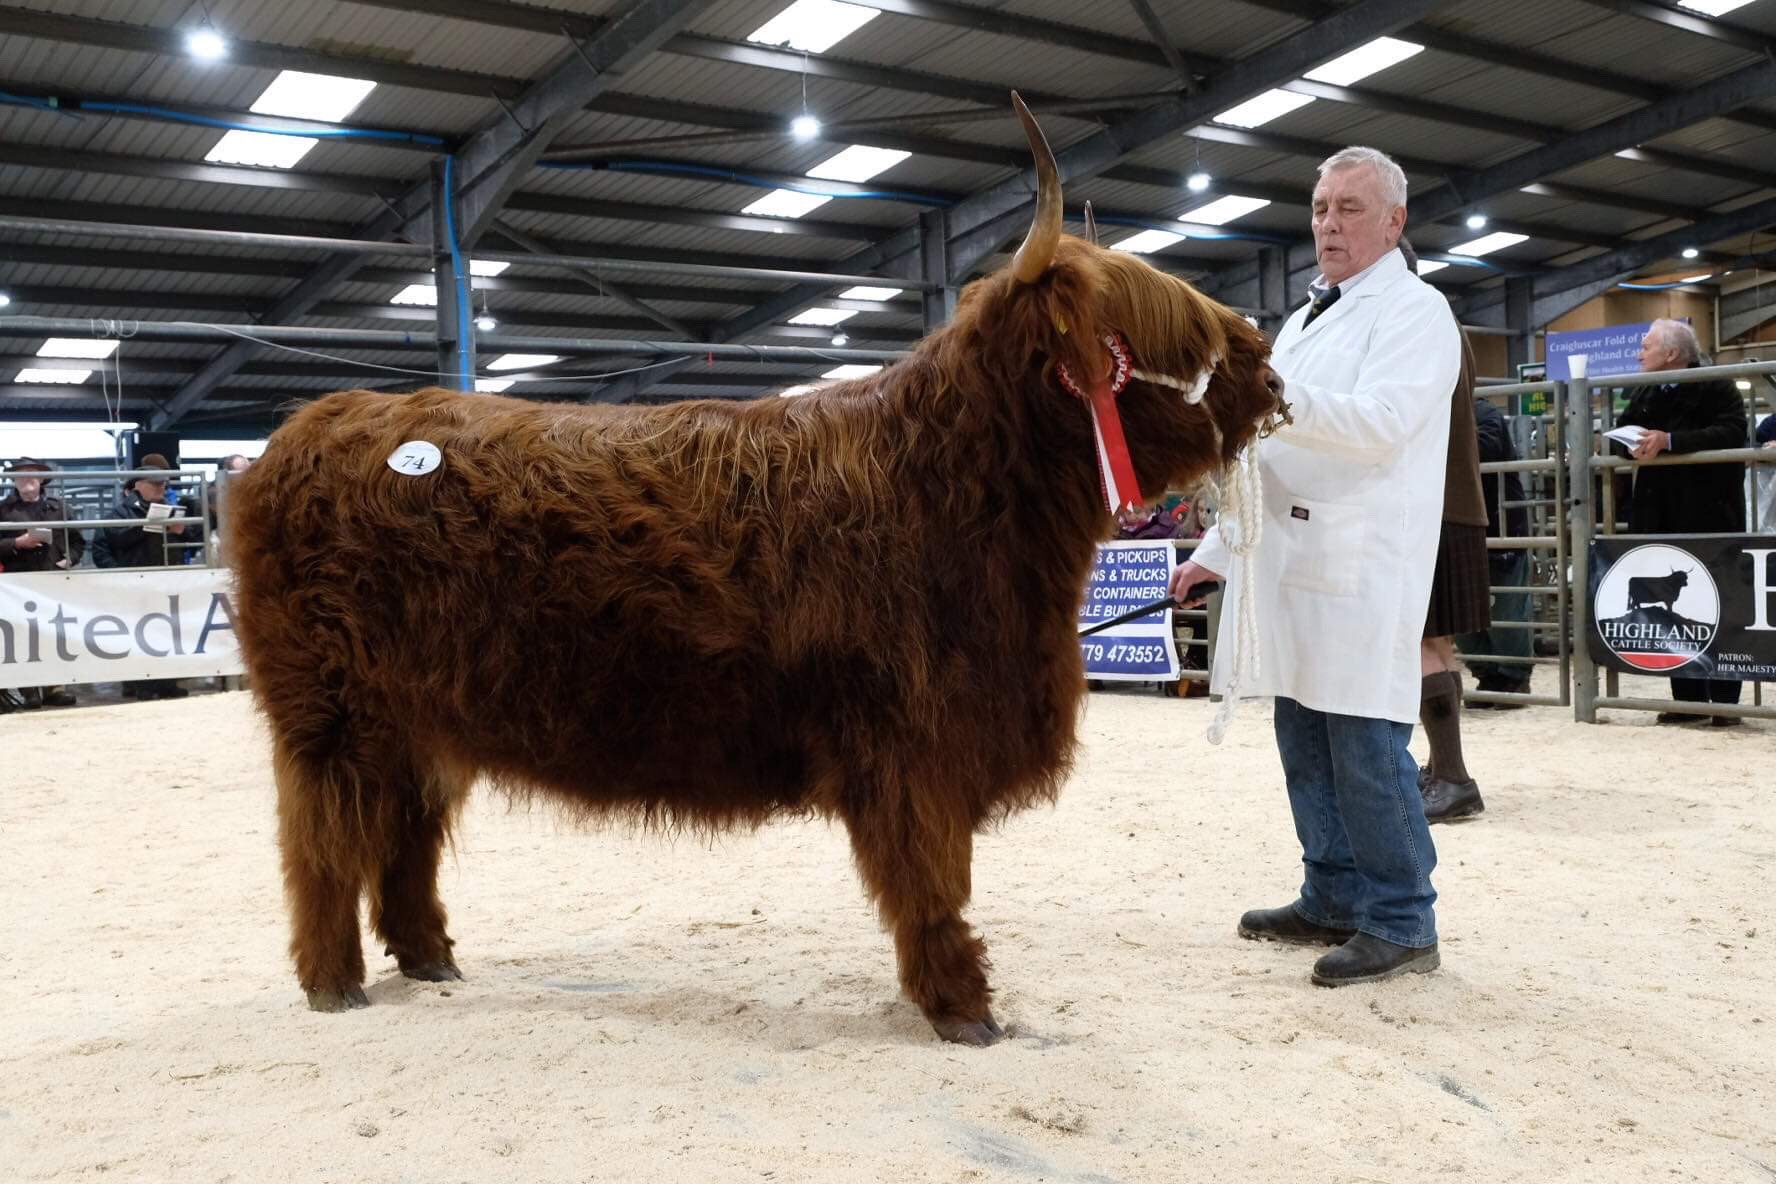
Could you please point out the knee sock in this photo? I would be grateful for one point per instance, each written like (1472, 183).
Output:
(1439, 709)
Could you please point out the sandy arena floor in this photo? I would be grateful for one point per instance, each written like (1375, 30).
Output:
(641, 1009)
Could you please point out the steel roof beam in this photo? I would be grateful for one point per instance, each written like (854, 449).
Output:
(973, 233)
(1690, 22)
(606, 288)
(493, 160)
(76, 30)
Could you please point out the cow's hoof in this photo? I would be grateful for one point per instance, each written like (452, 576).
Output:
(976, 1033)
(347, 1000)
(441, 970)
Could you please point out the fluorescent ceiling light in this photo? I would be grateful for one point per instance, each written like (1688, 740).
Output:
(415, 294)
(1695, 279)
(813, 25)
(493, 386)
(1272, 104)
(1224, 210)
(77, 347)
(297, 95)
(1363, 61)
(789, 392)
(850, 371)
(858, 163)
(312, 96)
(522, 361)
(1427, 266)
(42, 374)
(822, 316)
(1486, 244)
(865, 292)
(1712, 7)
(1148, 241)
(785, 203)
(260, 149)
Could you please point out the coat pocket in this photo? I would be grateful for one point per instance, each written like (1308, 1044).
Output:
(1324, 548)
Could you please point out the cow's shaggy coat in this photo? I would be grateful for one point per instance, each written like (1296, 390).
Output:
(858, 603)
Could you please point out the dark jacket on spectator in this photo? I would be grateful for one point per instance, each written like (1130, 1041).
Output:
(63, 544)
(132, 546)
(1493, 433)
(1690, 499)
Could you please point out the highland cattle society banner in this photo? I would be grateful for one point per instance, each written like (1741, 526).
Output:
(1126, 576)
(116, 626)
(1687, 607)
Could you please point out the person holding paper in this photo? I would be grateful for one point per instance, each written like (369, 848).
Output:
(1686, 499)
(1353, 502)
(143, 546)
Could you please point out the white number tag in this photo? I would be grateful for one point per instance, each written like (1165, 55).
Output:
(415, 458)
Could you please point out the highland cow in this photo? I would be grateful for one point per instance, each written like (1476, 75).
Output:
(858, 604)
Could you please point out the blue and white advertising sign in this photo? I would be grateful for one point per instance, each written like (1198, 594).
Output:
(1611, 350)
(1126, 576)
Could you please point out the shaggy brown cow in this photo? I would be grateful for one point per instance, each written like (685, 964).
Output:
(858, 604)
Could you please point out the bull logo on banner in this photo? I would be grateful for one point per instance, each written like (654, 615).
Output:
(1658, 609)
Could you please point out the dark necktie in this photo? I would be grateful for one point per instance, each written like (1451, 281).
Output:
(1321, 303)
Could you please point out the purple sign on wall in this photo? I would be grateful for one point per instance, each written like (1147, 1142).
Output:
(1613, 349)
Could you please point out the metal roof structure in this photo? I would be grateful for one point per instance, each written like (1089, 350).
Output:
(607, 151)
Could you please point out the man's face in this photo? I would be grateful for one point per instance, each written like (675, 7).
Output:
(1655, 354)
(1353, 224)
(29, 488)
(152, 491)
(239, 464)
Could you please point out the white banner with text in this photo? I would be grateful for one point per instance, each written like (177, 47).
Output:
(116, 626)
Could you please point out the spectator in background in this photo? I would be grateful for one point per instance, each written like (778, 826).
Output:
(1765, 484)
(1686, 499)
(1144, 522)
(39, 549)
(1509, 569)
(140, 546)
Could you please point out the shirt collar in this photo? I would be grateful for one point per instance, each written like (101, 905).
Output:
(1319, 287)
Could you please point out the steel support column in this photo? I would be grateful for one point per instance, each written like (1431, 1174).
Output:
(456, 341)
(939, 303)
(1519, 304)
(1273, 293)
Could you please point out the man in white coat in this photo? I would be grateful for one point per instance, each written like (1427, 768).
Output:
(1353, 495)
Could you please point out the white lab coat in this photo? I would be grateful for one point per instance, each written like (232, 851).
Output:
(1353, 500)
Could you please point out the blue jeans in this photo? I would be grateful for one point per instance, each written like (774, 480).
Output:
(1353, 788)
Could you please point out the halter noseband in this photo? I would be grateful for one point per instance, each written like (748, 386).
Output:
(1116, 471)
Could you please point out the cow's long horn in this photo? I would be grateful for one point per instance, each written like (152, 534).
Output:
(1034, 257)
(1091, 225)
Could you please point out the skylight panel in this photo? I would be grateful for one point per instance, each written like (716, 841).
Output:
(44, 374)
(822, 316)
(1712, 7)
(487, 267)
(790, 392)
(416, 294)
(1427, 266)
(1148, 241)
(1486, 244)
(850, 371)
(865, 292)
(1224, 210)
(858, 163)
(813, 25)
(1363, 61)
(77, 347)
(522, 361)
(493, 386)
(1272, 104)
(786, 203)
(324, 97)
(260, 149)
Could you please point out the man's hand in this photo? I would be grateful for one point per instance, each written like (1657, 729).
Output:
(25, 541)
(1652, 444)
(64, 564)
(1190, 573)
(176, 527)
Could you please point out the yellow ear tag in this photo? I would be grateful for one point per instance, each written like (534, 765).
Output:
(1061, 325)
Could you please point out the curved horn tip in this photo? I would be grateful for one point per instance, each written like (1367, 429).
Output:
(1037, 252)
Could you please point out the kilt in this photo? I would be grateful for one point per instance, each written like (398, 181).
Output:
(1461, 586)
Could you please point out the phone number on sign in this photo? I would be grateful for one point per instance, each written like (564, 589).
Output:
(1121, 652)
